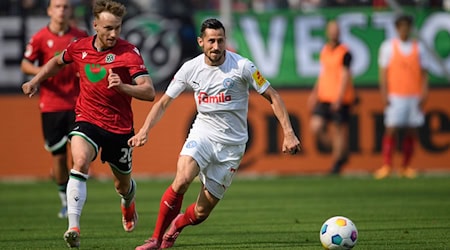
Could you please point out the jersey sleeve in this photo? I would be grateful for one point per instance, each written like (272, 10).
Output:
(68, 52)
(178, 83)
(347, 60)
(136, 65)
(32, 50)
(423, 57)
(253, 76)
(384, 54)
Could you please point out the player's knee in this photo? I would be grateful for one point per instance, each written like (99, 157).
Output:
(182, 181)
(202, 213)
(81, 165)
(316, 125)
(181, 185)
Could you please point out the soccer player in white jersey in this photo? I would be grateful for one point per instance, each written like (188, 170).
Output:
(216, 142)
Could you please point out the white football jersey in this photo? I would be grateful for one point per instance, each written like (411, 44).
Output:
(221, 95)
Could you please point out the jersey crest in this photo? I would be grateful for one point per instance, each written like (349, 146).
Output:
(228, 83)
(110, 58)
(50, 43)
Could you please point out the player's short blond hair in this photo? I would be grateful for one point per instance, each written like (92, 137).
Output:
(115, 8)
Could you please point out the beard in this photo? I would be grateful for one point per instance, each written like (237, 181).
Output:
(218, 57)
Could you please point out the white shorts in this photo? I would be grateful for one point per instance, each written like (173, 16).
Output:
(218, 162)
(403, 112)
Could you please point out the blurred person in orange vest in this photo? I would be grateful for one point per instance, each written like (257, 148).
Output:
(332, 97)
(404, 87)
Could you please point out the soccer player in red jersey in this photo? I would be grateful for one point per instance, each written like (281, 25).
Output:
(112, 72)
(58, 94)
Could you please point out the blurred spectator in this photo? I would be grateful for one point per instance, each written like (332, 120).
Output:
(260, 6)
(205, 4)
(348, 3)
(305, 5)
(82, 8)
(446, 5)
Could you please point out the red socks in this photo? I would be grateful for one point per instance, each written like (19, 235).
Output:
(388, 149)
(389, 146)
(407, 149)
(169, 208)
(189, 218)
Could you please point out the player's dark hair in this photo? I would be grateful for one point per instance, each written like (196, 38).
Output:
(211, 23)
(404, 18)
(115, 8)
(50, 1)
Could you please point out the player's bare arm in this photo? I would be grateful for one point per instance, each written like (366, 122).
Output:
(312, 99)
(291, 144)
(29, 68)
(346, 74)
(155, 114)
(425, 87)
(383, 86)
(142, 90)
(50, 69)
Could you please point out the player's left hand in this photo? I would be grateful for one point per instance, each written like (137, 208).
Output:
(29, 89)
(291, 144)
(113, 79)
(422, 101)
(335, 106)
(312, 102)
(138, 139)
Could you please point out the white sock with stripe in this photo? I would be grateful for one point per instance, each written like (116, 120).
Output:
(127, 199)
(76, 197)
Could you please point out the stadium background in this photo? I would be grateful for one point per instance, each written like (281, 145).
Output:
(284, 41)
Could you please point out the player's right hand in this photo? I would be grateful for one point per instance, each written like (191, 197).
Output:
(138, 140)
(29, 89)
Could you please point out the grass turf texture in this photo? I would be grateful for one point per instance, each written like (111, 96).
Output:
(274, 213)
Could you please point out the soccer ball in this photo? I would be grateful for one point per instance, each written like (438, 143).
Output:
(338, 233)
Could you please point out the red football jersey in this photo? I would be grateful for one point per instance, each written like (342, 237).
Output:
(58, 93)
(109, 109)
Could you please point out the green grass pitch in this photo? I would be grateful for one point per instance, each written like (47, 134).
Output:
(267, 213)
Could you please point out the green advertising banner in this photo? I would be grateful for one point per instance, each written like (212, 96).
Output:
(285, 45)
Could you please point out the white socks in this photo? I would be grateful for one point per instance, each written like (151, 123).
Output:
(76, 197)
(128, 199)
(63, 197)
